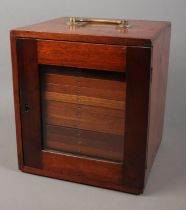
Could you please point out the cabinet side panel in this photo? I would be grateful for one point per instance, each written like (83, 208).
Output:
(160, 62)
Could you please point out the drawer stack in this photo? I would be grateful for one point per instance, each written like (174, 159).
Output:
(83, 111)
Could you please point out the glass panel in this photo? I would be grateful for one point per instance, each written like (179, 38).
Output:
(83, 111)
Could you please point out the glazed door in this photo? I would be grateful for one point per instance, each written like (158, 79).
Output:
(83, 112)
(73, 106)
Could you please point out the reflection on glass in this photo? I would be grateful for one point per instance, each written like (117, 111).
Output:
(83, 111)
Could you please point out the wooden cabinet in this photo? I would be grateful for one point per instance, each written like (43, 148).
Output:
(89, 100)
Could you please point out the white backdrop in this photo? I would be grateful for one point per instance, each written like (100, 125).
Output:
(166, 186)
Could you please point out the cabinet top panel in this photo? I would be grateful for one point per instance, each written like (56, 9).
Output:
(140, 32)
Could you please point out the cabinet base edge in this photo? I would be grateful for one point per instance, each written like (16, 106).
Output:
(106, 185)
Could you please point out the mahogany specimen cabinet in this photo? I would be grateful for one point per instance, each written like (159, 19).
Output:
(89, 99)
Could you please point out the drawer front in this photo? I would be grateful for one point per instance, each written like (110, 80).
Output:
(82, 55)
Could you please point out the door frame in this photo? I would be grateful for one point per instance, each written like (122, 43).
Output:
(124, 177)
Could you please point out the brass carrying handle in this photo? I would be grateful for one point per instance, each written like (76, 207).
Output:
(76, 20)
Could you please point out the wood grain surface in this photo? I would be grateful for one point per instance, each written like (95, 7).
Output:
(141, 33)
(83, 55)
